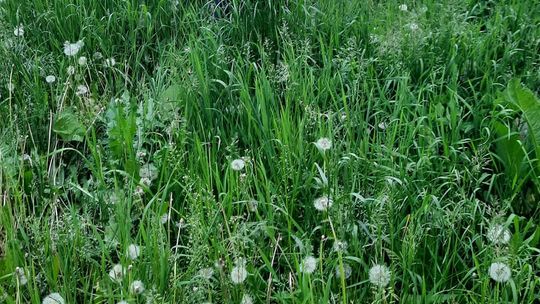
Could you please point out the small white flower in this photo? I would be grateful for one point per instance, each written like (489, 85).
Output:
(133, 251)
(19, 31)
(71, 49)
(136, 287)
(246, 299)
(117, 273)
(206, 273)
(110, 62)
(498, 235)
(379, 275)
(54, 298)
(50, 79)
(500, 272)
(239, 274)
(82, 89)
(403, 7)
(323, 144)
(82, 60)
(322, 203)
(238, 164)
(309, 264)
(347, 270)
(21, 275)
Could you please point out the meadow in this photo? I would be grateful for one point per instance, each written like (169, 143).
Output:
(270, 151)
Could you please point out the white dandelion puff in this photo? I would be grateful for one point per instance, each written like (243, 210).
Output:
(110, 62)
(50, 79)
(500, 272)
(71, 49)
(82, 60)
(239, 274)
(148, 171)
(347, 271)
(21, 275)
(403, 7)
(136, 287)
(82, 89)
(323, 144)
(379, 275)
(413, 26)
(238, 164)
(117, 273)
(19, 30)
(54, 298)
(133, 251)
(322, 203)
(71, 70)
(164, 218)
(246, 299)
(498, 235)
(309, 264)
(340, 246)
(206, 273)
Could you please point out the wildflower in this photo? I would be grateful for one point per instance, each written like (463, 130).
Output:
(50, 79)
(246, 299)
(309, 264)
(19, 31)
(206, 273)
(54, 298)
(71, 49)
(498, 235)
(379, 275)
(81, 90)
(110, 62)
(239, 273)
(71, 70)
(347, 271)
(21, 275)
(340, 246)
(238, 164)
(403, 7)
(82, 60)
(499, 272)
(322, 203)
(117, 273)
(133, 251)
(323, 144)
(137, 287)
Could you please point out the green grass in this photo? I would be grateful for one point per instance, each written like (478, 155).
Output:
(434, 142)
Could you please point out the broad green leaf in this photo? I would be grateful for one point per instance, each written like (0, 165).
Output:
(68, 126)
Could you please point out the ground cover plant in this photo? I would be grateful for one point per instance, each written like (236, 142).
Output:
(311, 151)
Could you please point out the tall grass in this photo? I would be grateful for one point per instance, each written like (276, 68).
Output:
(417, 173)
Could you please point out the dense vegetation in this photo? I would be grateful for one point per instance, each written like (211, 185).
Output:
(311, 151)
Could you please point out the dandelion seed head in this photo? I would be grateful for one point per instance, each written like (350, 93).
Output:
(71, 49)
(239, 274)
(323, 144)
(117, 273)
(403, 7)
(347, 271)
(82, 89)
(246, 299)
(110, 62)
(133, 251)
(500, 272)
(50, 79)
(148, 171)
(54, 298)
(308, 265)
(238, 164)
(164, 218)
(82, 60)
(340, 246)
(136, 287)
(379, 275)
(19, 30)
(206, 273)
(498, 235)
(322, 203)
(413, 26)
(21, 275)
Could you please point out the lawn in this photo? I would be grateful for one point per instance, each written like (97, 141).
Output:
(269, 151)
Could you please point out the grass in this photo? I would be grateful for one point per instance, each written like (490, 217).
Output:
(430, 110)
